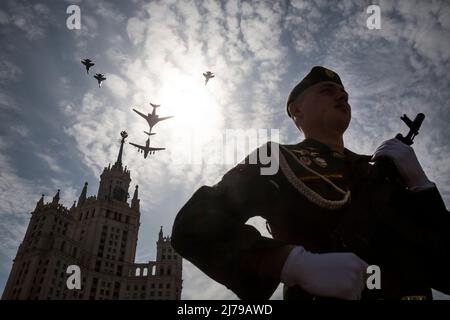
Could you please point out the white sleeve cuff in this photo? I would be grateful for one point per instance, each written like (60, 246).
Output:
(288, 273)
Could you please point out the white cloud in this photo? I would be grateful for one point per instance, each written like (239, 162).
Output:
(50, 161)
(3, 17)
(9, 71)
(117, 86)
(32, 20)
(21, 130)
(135, 30)
(7, 102)
(107, 11)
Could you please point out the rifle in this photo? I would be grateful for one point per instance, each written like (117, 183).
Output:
(383, 230)
(414, 127)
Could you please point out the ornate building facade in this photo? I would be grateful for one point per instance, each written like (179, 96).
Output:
(99, 235)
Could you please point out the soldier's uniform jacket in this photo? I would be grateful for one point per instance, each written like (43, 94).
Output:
(210, 229)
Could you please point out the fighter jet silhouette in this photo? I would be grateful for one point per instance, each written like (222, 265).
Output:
(87, 63)
(146, 149)
(208, 75)
(100, 77)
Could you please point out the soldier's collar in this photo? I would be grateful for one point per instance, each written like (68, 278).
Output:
(323, 148)
(313, 144)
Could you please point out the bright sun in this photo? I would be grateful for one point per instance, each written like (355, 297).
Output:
(192, 103)
(194, 106)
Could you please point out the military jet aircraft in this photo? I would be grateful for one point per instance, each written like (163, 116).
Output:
(146, 149)
(152, 118)
(87, 63)
(100, 77)
(208, 75)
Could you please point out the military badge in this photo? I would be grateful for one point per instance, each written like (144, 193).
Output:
(338, 155)
(302, 152)
(330, 73)
(305, 160)
(320, 162)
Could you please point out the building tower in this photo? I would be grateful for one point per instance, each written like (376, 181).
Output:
(99, 234)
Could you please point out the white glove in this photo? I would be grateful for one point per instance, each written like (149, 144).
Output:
(406, 162)
(337, 275)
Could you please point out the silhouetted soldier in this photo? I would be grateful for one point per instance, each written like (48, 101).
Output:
(304, 203)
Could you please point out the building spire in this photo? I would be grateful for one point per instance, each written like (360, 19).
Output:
(160, 234)
(40, 203)
(135, 200)
(82, 197)
(123, 134)
(56, 198)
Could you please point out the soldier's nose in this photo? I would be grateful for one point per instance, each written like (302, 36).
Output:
(342, 96)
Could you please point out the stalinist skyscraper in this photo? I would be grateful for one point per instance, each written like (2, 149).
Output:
(99, 235)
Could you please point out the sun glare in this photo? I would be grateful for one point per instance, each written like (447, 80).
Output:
(197, 113)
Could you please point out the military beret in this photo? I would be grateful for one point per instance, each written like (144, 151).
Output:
(316, 75)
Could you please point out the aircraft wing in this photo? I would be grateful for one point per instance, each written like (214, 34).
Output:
(140, 113)
(156, 149)
(164, 118)
(137, 146)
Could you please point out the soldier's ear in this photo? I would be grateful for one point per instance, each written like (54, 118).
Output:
(295, 111)
(292, 110)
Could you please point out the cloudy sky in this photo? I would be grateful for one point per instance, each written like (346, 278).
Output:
(58, 129)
